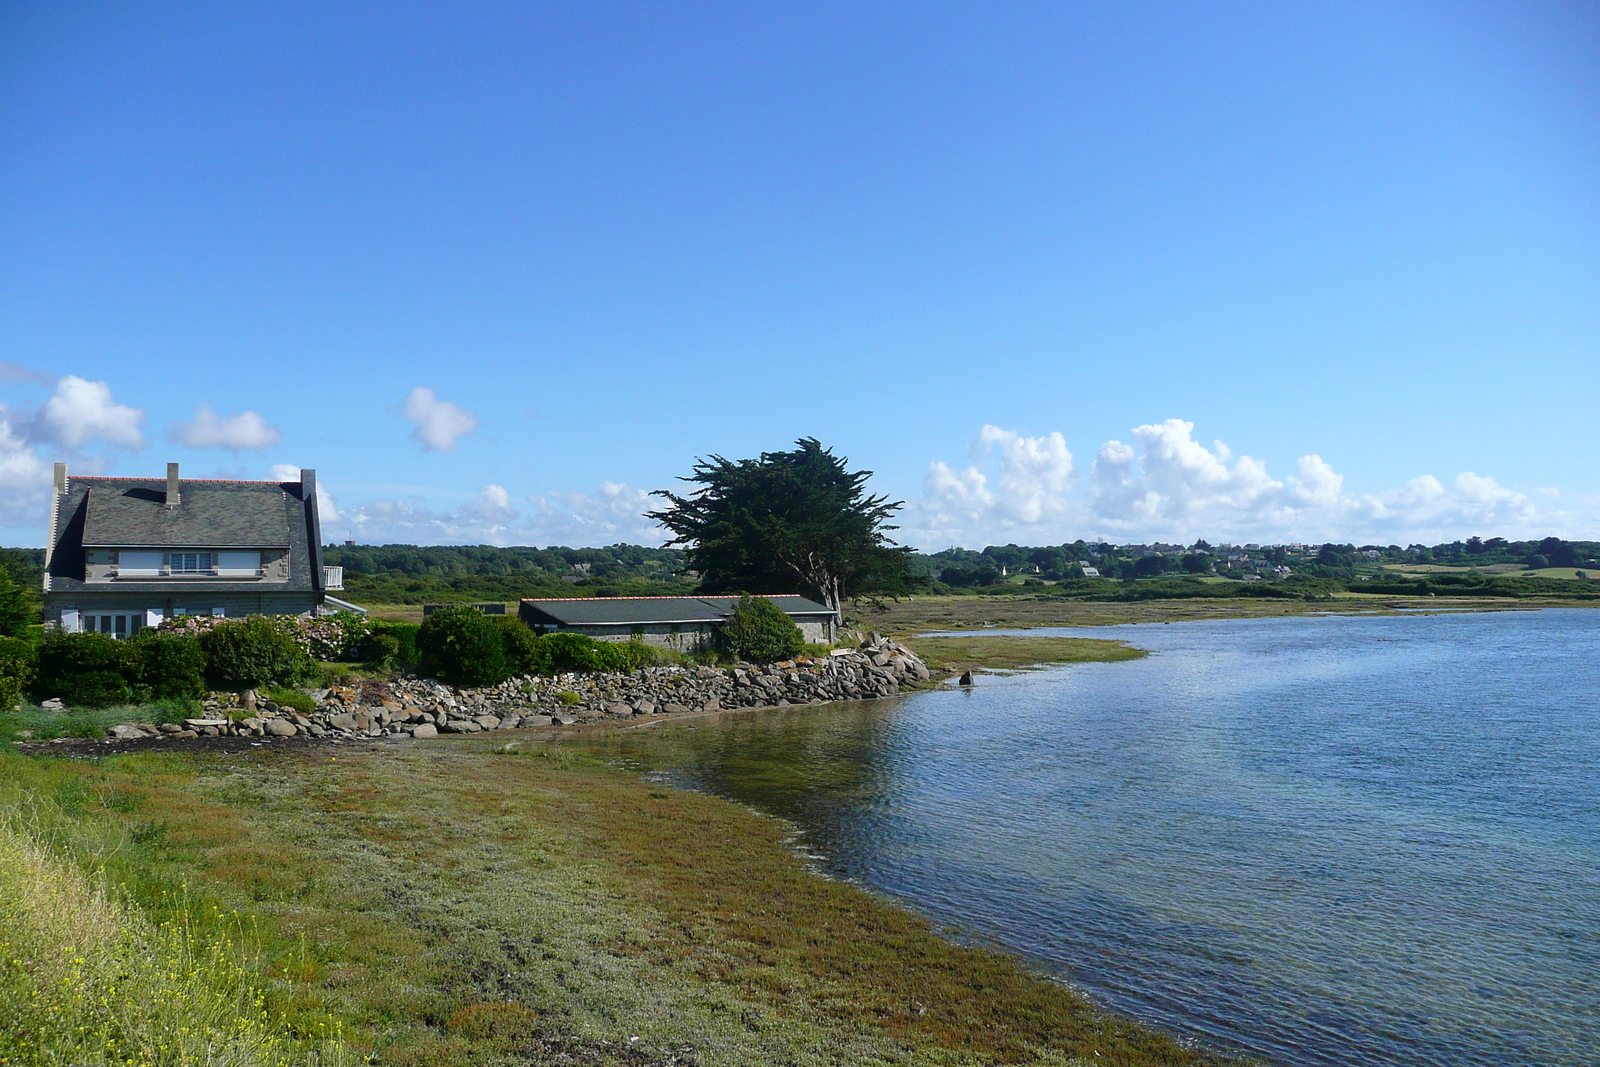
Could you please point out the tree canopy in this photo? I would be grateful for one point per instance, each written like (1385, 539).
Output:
(764, 525)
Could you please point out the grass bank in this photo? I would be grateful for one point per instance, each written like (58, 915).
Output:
(442, 903)
(924, 613)
(985, 652)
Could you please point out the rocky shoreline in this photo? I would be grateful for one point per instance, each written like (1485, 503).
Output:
(423, 707)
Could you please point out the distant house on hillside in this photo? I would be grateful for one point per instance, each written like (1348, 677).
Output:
(685, 623)
(126, 553)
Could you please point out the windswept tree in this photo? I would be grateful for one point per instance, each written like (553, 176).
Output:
(763, 525)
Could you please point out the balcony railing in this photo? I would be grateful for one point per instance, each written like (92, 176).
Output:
(333, 578)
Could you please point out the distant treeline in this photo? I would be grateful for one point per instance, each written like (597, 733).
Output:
(961, 568)
(413, 574)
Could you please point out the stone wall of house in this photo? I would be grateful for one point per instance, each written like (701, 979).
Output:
(421, 707)
(233, 604)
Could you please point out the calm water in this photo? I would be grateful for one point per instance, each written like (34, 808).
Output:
(1319, 841)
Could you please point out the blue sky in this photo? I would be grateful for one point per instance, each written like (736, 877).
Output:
(497, 271)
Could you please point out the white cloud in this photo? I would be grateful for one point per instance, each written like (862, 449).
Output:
(614, 513)
(1168, 486)
(1031, 477)
(327, 510)
(24, 478)
(439, 423)
(234, 432)
(82, 411)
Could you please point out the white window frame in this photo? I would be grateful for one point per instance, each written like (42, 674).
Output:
(204, 562)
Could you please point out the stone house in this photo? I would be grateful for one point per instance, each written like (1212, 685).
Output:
(126, 553)
(685, 623)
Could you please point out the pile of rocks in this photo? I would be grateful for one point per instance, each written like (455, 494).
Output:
(422, 707)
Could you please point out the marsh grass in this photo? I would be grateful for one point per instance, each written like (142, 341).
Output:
(86, 977)
(994, 652)
(447, 905)
(89, 722)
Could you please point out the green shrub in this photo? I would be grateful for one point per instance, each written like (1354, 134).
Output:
(459, 644)
(172, 709)
(291, 698)
(522, 645)
(19, 662)
(252, 652)
(19, 606)
(569, 698)
(561, 653)
(169, 665)
(86, 670)
(759, 632)
(390, 643)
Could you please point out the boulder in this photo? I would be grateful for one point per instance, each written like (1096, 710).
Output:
(487, 722)
(279, 728)
(126, 732)
(426, 729)
(342, 721)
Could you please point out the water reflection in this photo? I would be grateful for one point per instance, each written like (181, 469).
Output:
(1324, 841)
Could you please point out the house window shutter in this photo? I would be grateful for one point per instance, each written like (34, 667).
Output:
(239, 564)
(138, 563)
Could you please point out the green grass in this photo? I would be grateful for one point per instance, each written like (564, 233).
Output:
(446, 904)
(89, 722)
(991, 652)
(88, 977)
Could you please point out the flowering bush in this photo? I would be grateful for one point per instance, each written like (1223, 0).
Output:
(328, 637)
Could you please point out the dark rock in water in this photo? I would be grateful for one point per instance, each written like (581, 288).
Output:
(966, 678)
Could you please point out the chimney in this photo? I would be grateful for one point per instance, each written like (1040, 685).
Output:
(173, 499)
(61, 478)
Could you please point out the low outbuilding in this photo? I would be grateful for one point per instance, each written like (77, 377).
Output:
(684, 623)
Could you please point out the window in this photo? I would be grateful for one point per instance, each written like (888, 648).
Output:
(191, 562)
(119, 627)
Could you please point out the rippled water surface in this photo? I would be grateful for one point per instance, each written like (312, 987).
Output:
(1317, 840)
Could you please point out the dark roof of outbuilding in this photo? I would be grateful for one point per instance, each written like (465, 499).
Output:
(629, 610)
(132, 513)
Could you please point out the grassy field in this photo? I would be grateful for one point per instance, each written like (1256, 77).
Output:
(992, 652)
(443, 903)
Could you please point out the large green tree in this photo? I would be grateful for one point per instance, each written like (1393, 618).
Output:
(764, 525)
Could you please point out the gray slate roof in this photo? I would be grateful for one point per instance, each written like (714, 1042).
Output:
(640, 610)
(132, 513)
(218, 515)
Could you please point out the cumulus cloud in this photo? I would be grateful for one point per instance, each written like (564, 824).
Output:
(614, 513)
(327, 510)
(24, 478)
(1167, 485)
(233, 432)
(82, 411)
(1030, 477)
(77, 415)
(439, 423)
